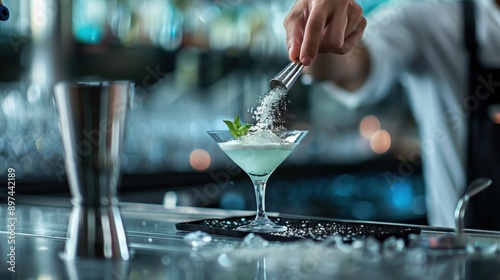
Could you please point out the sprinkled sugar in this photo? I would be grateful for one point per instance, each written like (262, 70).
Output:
(266, 114)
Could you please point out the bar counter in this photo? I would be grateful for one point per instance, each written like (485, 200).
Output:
(160, 251)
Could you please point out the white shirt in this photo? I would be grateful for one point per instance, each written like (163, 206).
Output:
(420, 43)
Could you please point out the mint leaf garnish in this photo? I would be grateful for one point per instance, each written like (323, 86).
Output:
(236, 128)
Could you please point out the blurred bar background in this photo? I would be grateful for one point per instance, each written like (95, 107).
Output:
(195, 63)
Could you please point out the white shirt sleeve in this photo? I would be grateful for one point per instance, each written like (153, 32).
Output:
(390, 43)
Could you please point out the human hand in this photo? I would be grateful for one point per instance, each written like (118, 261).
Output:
(325, 26)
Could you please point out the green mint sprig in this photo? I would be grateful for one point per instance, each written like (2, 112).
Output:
(236, 128)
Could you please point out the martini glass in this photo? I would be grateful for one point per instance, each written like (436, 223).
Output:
(259, 154)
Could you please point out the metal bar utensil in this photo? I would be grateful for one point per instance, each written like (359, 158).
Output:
(92, 118)
(287, 77)
(457, 241)
(474, 188)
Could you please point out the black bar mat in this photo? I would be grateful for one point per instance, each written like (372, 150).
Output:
(298, 229)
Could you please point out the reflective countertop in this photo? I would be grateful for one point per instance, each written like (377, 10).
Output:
(159, 251)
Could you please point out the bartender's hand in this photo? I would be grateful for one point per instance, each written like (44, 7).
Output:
(326, 26)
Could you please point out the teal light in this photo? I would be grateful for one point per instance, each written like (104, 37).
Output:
(89, 21)
(89, 35)
(369, 5)
(400, 196)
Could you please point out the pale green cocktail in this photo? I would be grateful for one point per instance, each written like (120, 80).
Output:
(259, 154)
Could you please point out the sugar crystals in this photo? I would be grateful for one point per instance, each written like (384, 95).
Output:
(268, 113)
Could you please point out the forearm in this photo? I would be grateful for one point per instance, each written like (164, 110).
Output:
(349, 71)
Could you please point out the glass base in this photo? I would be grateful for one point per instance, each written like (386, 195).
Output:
(262, 225)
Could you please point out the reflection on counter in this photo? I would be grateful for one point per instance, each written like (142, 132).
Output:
(195, 63)
(162, 252)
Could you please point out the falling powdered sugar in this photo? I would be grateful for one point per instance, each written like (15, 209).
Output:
(265, 113)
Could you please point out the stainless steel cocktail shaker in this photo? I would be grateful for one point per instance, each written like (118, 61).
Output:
(92, 119)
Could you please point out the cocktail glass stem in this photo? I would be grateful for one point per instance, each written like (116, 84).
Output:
(261, 223)
(260, 197)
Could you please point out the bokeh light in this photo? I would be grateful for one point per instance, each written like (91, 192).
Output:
(400, 196)
(199, 159)
(368, 126)
(494, 113)
(380, 142)
(363, 210)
